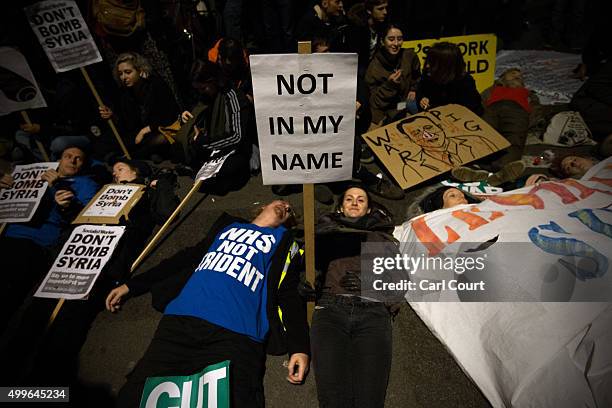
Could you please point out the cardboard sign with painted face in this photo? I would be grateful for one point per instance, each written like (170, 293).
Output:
(430, 143)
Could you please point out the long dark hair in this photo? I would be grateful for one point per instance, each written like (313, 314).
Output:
(444, 63)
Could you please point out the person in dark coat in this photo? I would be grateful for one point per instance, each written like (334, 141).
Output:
(366, 21)
(324, 20)
(445, 80)
(351, 330)
(55, 359)
(146, 103)
(594, 102)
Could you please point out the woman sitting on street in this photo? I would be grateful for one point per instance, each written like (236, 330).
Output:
(146, 103)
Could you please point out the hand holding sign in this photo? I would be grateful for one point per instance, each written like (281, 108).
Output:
(105, 112)
(51, 176)
(6, 181)
(63, 198)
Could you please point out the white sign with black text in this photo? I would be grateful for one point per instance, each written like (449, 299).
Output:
(211, 167)
(19, 203)
(63, 34)
(111, 201)
(80, 262)
(305, 111)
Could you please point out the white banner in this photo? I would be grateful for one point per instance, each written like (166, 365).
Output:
(305, 111)
(111, 200)
(544, 354)
(17, 83)
(19, 203)
(212, 167)
(63, 34)
(80, 262)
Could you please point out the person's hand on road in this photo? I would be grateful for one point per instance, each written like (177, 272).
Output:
(298, 368)
(113, 300)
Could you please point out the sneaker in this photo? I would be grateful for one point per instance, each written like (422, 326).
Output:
(323, 194)
(510, 172)
(366, 155)
(468, 174)
(385, 188)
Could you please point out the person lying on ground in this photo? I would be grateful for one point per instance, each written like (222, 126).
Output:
(26, 248)
(225, 293)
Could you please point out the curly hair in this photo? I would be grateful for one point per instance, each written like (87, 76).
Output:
(140, 64)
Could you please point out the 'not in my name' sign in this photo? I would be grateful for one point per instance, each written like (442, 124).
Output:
(305, 111)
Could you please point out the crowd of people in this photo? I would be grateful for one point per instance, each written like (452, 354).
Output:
(178, 127)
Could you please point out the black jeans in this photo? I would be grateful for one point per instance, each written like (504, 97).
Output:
(351, 352)
(184, 345)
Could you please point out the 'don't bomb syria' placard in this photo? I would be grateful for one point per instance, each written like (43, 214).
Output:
(112, 202)
(80, 262)
(430, 143)
(19, 202)
(63, 34)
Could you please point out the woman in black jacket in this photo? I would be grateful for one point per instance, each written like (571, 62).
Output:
(351, 330)
(145, 103)
(446, 81)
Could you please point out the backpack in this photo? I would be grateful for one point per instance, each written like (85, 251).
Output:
(119, 17)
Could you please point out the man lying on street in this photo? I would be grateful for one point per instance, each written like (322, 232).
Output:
(220, 301)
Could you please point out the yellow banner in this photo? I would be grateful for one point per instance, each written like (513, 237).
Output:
(478, 51)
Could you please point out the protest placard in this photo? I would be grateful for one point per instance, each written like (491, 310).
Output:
(478, 51)
(17, 83)
(211, 167)
(208, 388)
(63, 34)
(80, 262)
(19, 203)
(305, 112)
(427, 144)
(112, 202)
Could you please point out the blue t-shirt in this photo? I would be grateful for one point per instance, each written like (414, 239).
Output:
(229, 286)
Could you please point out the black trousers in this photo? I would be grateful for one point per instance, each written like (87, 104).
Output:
(351, 352)
(184, 345)
(24, 263)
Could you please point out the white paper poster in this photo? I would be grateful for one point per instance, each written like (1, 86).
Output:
(555, 352)
(111, 200)
(305, 111)
(17, 83)
(19, 203)
(80, 262)
(63, 34)
(212, 167)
